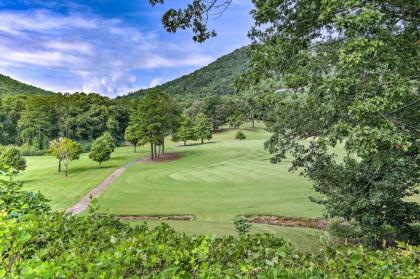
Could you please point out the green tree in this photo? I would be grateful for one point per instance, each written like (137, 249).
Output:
(236, 110)
(100, 151)
(203, 127)
(65, 150)
(55, 150)
(156, 117)
(10, 158)
(186, 130)
(71, 151)
(133, 135)
(110, 140)
(215, 109)
(37, 124)
(240, 135)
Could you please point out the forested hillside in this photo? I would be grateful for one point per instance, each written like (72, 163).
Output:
(218, 78)
(9, 86)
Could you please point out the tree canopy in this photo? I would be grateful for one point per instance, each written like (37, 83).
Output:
(11, 159)
(101, 150)
(65, 150)
(155, 118)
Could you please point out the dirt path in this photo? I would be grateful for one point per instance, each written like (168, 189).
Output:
(94, 193)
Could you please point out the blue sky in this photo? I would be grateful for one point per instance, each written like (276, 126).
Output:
(107, 46)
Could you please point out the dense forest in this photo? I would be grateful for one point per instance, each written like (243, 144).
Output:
(216, 79)
(32, 121)
(9, 86)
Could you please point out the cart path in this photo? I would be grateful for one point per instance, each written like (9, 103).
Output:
(98, 190)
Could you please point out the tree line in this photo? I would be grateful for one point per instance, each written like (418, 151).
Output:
(31, 122)
(35, 120)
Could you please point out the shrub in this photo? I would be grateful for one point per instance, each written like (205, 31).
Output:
(14, 202)
(240, 135)
(10, 157)
(241, 226)
(101, 150)
(343, 229)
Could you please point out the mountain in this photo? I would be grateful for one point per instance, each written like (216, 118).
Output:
(9, 86)
(217, 78)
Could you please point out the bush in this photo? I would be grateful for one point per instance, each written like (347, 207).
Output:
(14, 202)
(241, 226)
(11, 159)
(101, 150)
(240, 135)
(342, 229)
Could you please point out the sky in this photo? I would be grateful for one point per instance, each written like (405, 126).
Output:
(110, 47)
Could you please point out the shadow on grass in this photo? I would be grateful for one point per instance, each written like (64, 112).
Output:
(79, 170)
(196, 144)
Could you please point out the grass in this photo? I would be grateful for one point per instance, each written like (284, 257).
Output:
(213, 182)
(216, 182)
(84, 174)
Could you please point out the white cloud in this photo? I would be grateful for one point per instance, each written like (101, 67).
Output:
(156, 61)
(73, 46)
(78, 52)
(41, 20)
(40, 58)
(156, 82)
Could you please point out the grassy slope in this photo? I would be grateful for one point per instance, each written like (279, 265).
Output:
(216, 182)
(41, 175)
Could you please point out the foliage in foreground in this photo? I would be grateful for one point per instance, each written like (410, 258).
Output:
(36, 242)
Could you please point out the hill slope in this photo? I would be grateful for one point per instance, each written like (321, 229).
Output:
(9, 86)
(217, 78)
